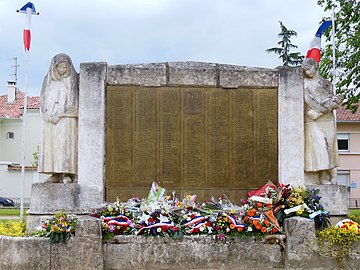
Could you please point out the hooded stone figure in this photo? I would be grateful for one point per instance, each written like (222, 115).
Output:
(59, 102)
(321, 155)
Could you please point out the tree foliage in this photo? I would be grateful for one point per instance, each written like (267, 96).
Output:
(288, 58)
(347, 50)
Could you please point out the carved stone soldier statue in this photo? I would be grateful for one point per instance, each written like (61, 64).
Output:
(59, 110)
(321, 153)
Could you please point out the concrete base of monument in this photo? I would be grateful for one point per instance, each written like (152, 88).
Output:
(297, 249)
(334, 198)
(48, 198)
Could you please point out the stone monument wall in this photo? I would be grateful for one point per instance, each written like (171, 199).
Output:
(95, 83)
(97, 78)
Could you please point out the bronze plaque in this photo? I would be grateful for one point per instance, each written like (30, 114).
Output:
(208, 141)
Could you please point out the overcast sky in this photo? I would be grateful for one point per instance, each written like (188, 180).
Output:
(143, 31)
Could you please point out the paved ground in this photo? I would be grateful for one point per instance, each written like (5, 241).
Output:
(9, 217)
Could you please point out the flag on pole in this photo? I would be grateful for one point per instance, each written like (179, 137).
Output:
(28, 9)
(315, 45)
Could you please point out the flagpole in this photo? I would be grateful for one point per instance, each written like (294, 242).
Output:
(333, 49)
(22, 186)
(27, 9)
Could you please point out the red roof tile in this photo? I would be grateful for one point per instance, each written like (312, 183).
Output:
(15, 110)
(343, 115)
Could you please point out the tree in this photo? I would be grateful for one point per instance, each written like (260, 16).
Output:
(288, 58)
(347, 50)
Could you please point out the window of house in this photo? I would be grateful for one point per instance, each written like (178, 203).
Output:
(343, 140)
(10, 135)
(343, 178)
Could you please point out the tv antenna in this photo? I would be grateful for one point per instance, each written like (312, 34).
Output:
(15, 66)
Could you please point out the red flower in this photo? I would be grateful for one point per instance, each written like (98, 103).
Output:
(192, 216)
(196, 230)
(151, 220)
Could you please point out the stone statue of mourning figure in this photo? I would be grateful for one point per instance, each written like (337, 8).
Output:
(59, 110)
(321, 155)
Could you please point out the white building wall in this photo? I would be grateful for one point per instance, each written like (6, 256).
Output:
(11, 151)
(10, 183)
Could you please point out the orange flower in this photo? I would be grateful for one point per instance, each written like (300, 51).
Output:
(266, 222)
(257, 224)
(263, 229)
(259, 204)
(252, 212)
(240, 229)
(274, 230)
(232, 226)
(269, 205)
(246, 218)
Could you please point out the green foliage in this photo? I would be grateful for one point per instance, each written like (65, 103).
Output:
(355, 212)
(355, 218)
(36, 157)
(288, 58)
(9, 212)
(347, 50)
(12, 227)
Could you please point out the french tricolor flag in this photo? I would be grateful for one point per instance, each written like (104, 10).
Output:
(28, 9)
(315, 45)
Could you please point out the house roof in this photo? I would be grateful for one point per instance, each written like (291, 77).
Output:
(344, 115)
(15, 110)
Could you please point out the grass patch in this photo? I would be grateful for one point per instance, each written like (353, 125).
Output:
(11, 212)
(12, 227)
(355, 212)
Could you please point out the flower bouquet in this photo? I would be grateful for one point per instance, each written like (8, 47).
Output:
(59, 228)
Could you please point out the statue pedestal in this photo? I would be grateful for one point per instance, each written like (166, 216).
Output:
(48, 198)
(334, 198)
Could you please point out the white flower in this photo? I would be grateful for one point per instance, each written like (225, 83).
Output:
(163, 218)
(159, 229)
(144, 217)
(249, 229)
(227, 229)
(201, 229)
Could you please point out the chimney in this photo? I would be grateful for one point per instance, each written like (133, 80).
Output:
(11, 92)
